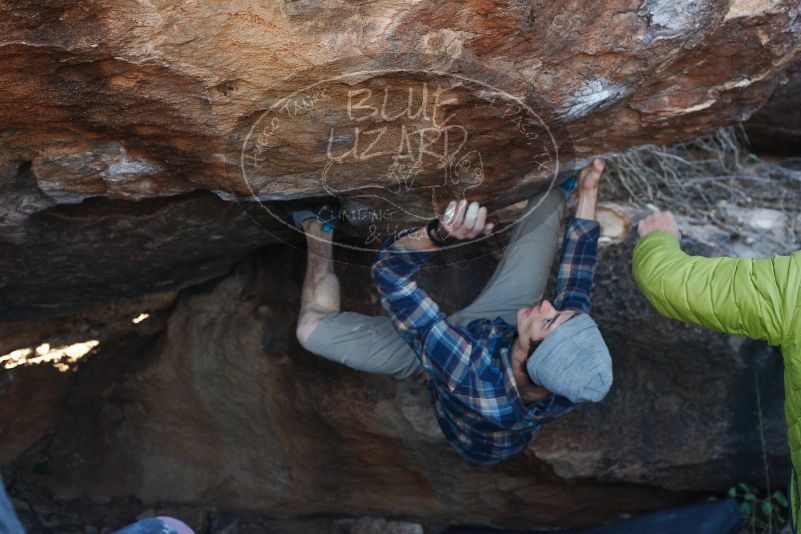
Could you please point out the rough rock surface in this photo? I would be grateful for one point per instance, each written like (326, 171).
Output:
(212, 402)
(138, 100)
(66, 256)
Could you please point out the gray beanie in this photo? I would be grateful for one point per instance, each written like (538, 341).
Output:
(573, 361)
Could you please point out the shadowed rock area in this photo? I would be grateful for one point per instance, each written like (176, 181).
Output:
(776, 127)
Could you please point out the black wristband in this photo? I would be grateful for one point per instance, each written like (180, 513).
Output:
(433, 235)
(403, 233)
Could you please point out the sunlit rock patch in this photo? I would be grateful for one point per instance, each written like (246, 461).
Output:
(62, 357)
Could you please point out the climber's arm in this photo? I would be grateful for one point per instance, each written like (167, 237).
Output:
(445, 351)
(414, 314)
(412, 311)
(580, 243)
(410, 308)
(576, 265)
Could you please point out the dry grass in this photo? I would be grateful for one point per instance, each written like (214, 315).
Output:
(701, 177)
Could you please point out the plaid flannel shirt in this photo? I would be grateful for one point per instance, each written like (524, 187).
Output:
(470, 378)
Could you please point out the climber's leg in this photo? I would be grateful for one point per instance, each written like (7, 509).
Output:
(366, 343)
(320, 295)
(521, 276)
(363, 342)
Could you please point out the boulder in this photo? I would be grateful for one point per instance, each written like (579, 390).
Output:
(388, 105)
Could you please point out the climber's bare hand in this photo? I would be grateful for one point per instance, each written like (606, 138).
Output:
(661, 220)
(463, 220)
(590, 176)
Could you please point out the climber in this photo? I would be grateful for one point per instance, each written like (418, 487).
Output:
(504, 365)
(756, 298)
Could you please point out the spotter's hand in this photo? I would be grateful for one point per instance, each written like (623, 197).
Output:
(661, 220)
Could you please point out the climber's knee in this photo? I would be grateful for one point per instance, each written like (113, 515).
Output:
(307, 323)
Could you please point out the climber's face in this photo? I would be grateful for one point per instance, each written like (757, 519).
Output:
(536, 322)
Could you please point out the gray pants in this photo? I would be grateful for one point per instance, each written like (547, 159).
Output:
(371, 343)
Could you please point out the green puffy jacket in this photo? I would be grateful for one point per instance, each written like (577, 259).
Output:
(753, 298)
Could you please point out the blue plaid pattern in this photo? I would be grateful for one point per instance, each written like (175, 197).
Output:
(470, 377)
(579, 252)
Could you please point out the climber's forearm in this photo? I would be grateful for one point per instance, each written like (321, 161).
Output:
(587, 202)
(461, 221)
(417, 239)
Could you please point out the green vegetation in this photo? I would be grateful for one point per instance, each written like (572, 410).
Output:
(762, 513)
